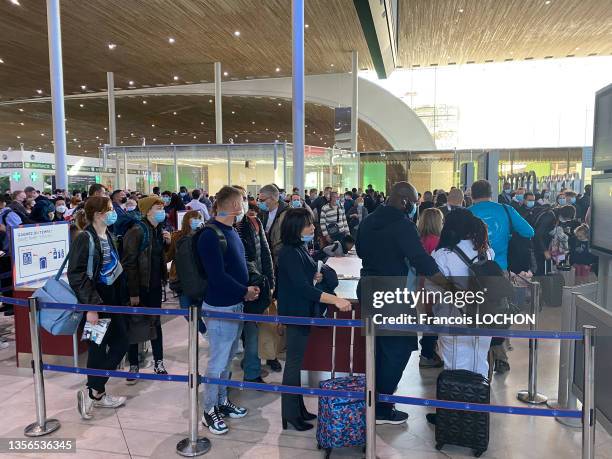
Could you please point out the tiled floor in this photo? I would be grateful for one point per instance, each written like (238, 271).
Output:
(155, 417)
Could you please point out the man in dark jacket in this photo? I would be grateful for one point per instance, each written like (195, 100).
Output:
(146, 272)
(386, 239)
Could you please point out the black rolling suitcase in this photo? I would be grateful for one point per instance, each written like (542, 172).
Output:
(469, 429)
(551, 285)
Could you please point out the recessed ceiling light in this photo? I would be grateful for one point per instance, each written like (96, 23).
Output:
(236, 136)
(16, 2)
(131, 83)
(209, 141)
(79, 145)
(202, 123)
(1, 61)
(22, 124)
(279, 104)
(306, 26)
(547, 2)
(106, 129)
(152, 125)
(112, 46)
(233, 112)
(225, 74)
(81, 105)
(97, 137)
(252, 122)
(74, 140)
(175, 131)
(42, 134)
(83, 87)
(132, 134)
(21, 110)
(19, 137)
(247, 140)
(577, 48)
(174, 113)
(278, 69)
(67, 131)
(118, 116)
(175, 78)
(267, 129)
(39, 91)
(171, 143)
(237, 33)
(210, 101)
(171, 40)
(461, 10)
(331, 65)
(195, 137)
(154, 139)
(144, 102)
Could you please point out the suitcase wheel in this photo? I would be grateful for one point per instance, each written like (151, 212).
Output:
(439, 446)
(479, 452)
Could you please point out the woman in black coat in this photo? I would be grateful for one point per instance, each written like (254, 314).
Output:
(297, 296)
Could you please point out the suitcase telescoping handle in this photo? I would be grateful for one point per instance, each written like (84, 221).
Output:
(351, 351)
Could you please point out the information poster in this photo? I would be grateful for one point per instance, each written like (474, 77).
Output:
(38, 251)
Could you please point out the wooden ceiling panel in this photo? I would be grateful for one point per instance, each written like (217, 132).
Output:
(171, 119)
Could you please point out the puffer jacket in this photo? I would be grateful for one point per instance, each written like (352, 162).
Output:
(137, 263)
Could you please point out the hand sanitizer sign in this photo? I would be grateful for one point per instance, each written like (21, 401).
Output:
(38, 251)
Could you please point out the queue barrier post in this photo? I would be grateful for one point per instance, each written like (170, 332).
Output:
(370, 350)
(588, 399)
(193, 445)
(42, 426)
(531, 395)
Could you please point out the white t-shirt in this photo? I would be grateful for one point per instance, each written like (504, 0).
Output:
(450, 264)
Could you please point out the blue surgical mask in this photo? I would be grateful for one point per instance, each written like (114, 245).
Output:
(196, 223)
(530, 204)
(159, 216)
(562, 201)
(307, 238)
(166, 200)
(572, 200)
(110, 218)
(507, 190)
(519, 197)
(263, 206)
(296, 203)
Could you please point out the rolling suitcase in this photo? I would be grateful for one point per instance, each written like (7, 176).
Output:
(552, 286)
(341, 420)
(469, 429)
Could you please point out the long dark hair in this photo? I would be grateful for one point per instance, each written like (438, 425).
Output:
(176, 202)
(294, 222)
(461, 224)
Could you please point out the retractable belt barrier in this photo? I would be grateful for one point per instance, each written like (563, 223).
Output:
(196, 445)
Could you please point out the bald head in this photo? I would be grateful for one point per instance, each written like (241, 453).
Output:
(401, 194)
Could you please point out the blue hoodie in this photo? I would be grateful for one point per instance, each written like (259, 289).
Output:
(495, 217)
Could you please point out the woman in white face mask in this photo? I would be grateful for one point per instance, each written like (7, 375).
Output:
(60, 209)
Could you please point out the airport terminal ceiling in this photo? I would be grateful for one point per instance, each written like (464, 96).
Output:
(151, 43)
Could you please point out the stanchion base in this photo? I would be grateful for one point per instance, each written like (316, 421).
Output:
(554, 404)
(538, 398)
(35, 430)
(570, 422)
(187, 448)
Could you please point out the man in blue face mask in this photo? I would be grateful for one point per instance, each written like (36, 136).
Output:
(145, 266)
(506, 196)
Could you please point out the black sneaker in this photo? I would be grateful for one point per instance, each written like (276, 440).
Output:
(256, 380)
(231, 410)
(132, 381)
(434, 362)
(502, 366)
(159, 368)
(275, 365)
(395, 417)
(215, 422)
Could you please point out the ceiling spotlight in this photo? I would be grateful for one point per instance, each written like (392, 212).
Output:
(461, 10)
(83, 87)
(278, 69)
(152, 125)
(225, 74)
(19, 137)
(174, 113)
(171, 40)
(233, 112)
(331, 65)
(195, 137)
(67, 131)
(131, 83)
(210, 101)
(306, 26)
(21, 110)
(42, 134)
(22, 124)
(279, 104)
(547, 2)
(106, 129)
(237, 33)
(175, 78)
(39, 91)
(202, 123)
(252, 122)
(97, 138)
(154, 139)
(144, 102)
(16, 2)
(131, 134)
(175, 131)
(74, 140)
(267, 129)
(247, 140)
(118, 116)
(112, 46)
(1, 61)
(81, 105)
(236, 136)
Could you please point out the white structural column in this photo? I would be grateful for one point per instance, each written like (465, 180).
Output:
(297, 13)
(355, 103)
(57, 92)
(112, 119)
(218, 104)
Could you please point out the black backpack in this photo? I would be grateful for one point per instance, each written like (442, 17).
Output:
(192, 278)
(519, 249)
(487, 276)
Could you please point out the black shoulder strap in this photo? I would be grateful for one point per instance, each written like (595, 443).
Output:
(509, 218)
(337, 214)
(220, 235)
(464, 258)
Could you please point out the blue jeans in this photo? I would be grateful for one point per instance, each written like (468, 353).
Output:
(185, 302)
(251, 364)
(223, 336)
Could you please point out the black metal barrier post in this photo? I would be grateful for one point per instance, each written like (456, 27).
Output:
(42, 426)
(588, 398)
(531, 395)
(193, 445)
(370, 350)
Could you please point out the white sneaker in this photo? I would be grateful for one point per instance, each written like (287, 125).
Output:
(109, 401)
(214, 422)
(84, 404)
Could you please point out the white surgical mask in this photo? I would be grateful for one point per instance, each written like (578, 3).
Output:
(60, 209)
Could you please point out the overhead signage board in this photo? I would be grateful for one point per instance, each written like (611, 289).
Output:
(38, 251)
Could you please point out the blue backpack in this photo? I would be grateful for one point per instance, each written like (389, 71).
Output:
(56, 290)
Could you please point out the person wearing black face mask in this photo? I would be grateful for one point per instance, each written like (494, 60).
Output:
(119, 199)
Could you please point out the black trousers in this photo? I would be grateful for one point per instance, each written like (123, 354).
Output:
(292, 405)
(108, 354)
(150, 299)
(392, 355)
